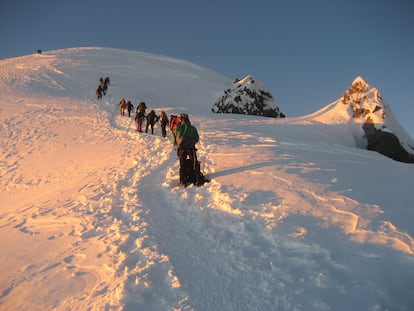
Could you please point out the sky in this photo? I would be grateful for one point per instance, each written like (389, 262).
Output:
(306, 52)
(294, 217)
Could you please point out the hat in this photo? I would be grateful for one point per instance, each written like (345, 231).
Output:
(184, 118)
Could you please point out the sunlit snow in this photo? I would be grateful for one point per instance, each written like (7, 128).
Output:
(296, 217)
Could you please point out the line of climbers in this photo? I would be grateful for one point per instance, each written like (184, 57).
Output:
(184, 137)
(103, 87)
(152, 118)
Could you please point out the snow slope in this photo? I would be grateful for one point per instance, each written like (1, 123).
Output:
(295, 217)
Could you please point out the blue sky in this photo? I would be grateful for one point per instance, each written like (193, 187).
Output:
(306, 52)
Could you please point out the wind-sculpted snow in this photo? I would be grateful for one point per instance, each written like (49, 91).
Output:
(92, 217)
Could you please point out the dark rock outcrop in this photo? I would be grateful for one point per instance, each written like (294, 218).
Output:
(386, 144)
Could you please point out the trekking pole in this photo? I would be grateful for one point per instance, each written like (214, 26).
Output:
(195, 160)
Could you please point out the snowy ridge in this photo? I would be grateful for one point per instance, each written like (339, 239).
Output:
(295, 217)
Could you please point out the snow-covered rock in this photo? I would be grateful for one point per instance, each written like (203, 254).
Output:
(382, 131)
(365, 102)
(248, 96)
(368, 121)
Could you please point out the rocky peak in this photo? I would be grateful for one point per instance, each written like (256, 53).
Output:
(247, 96)
(364, 101)
(359, 82)
(380, 133)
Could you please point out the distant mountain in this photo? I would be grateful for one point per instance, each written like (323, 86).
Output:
(377, 128)
(248, 96)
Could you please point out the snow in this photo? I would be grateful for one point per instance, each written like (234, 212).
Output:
(296, 217)
(360, 80)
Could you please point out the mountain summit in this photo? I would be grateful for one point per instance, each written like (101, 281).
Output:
(369, 121)
(364, 102)
(382, 131)
(248, 96)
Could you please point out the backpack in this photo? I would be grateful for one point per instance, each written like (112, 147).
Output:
(174, 122)
(141, 106)
(192, 173)
(152, 117)
(163, 119)
(187, 142)
(139, 116)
